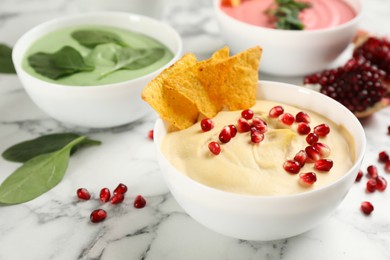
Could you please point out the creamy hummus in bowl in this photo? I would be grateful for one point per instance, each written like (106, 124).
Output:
(245, 191)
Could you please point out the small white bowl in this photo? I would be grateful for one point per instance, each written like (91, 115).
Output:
(95, 106)
(267, 217)
(287, 52)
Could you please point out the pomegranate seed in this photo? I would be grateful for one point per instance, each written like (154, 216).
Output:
(224, 135)
(105, 195)
(206, 124)
(151, 134)
(372, 171)
(322, 130)
(359, 176)
(302, 117)
(323, 165)
(98, 215)
(117, 198)
(303, 128)
(256, 136)
(247, 114)
(83, 194)
(287, 118)
(121, 188)
(323, 149)
(301, 157)
(388, 130)
(307, 178)
(312, 138)
(387, 167)
(292, 166)
(233, 130)
(260, 124)
(139, 202)
(312, 154)
(215, 148)
(276, 111)
(381, 183)
(367, 207)
(383, 156)
(243, 125)
(371, 185)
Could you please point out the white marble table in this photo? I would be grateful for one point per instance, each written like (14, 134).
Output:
(56, 225)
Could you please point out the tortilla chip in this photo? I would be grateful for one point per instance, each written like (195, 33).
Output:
(171, 105)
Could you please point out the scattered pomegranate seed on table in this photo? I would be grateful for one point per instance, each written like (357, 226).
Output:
(117, 198)
(121, 188)
(383, 156)
(387, 167)
(215, 148)
(372, 171)
(366, 207)
(83, 194)
(151, 134)
(388, 130)
(139, 202)
(206, 124)
(359, 176)
(381, 183)
(98, 215)
(247, 114)
(371, 185)
(104, 195)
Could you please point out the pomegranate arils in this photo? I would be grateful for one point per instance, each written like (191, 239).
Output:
(372, 171)
(312, 138)
(383, 156)
(247, 114)
(104, 195)
(233, 130)
(312, 154)
(206, 124)
(224, 135)
(243, 125)
(302, 117)
(388, 130)
(323, 165)
(256, 136)
(83, 194)
(322, 130)
(366, 207)
(215, 148)
(387, 167)
(276, 111)
(98, 215)
(117, 198)
(151, 134)
(301, 157)
(291, 166)
(371, 185)
(307, 178)
(287, 118)
(121, 188)
(323, 149)
(260, 124)
(139, 202)
(381, 183)
(359, 176)
(303, 128)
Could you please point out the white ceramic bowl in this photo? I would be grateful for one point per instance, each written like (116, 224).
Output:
(267, 217)
(287, 52)
(95, 106)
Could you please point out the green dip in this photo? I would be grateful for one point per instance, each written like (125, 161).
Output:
(54, 41)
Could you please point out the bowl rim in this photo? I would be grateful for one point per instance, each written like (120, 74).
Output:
(359, 157)
(356, 19)
(63, 23)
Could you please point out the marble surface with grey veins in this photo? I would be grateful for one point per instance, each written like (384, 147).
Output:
(56, 225)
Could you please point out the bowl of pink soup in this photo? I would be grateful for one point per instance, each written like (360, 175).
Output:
(329, 27)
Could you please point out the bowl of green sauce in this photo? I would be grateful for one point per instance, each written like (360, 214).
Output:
(89, 69)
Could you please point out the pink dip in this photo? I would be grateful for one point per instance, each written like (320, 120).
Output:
(322, 13)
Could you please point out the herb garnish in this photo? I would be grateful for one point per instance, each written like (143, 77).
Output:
(64, 62)
(92, 38)
(43, 171)
(6, 64)
(286, 14)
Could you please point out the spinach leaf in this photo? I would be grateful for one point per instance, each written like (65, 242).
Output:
(133, 59)
(27, 150)
(103, 55)
(92, 38)
(36, 176)
(64, 62)
(6, 64)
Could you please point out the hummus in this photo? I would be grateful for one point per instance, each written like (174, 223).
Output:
(256, 169)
